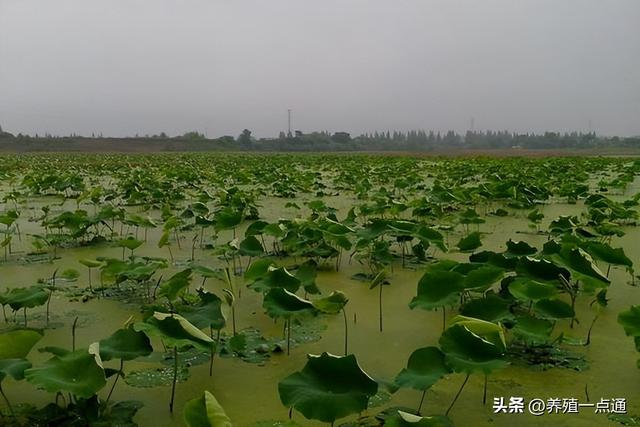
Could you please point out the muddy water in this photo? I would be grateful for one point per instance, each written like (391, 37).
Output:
(249, 393)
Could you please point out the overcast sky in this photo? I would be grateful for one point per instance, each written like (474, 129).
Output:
(121, 67)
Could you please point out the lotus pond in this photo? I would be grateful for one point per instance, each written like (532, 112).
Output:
(308, 290)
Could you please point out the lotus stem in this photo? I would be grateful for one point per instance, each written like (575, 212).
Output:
(175, 377)
(213, 350)
(457, 395)
(73, 334)
(484, 391)
(288, 336)
(593, 322)
(424, 392)
(25, 317)
(380, 306)
(4, 396)
(113, 386)
(346, 331)
(53, 287)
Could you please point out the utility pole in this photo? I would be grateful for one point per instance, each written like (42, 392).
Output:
(473, 123)
(289, 122)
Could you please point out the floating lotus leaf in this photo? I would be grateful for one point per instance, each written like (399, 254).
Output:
(125, 344)
(79, 373)
(328, 387)
(437, 288)
(205, 411)
(279, 302)
(175, 331)
(17, 343)
(424, 368)
(331, 304)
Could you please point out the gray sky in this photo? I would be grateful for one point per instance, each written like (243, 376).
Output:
(123, 67)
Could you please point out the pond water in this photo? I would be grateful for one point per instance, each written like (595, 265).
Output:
(248, 391)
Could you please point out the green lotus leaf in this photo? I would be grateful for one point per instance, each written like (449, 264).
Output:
(306, 273)
(17, 343)
(491, 308)
(175, 331)
(125, 344)
(30, 297)
(328, 387)
(532, 329)
(251, 246)
(578, 260)
(207, 272)
(437, 288)
(483, 277)
(130, 243)
(553, 309)
(540, 269)
(208, 313)
(520, 248)
(493, 258)
(630, 321)
(276, 278)
(257, 269)
(14, 368)
(176, 284)
(606, 253)
(489, 331)
(91, 263)
(256, 228)
(424, 368)
(531, 290)
(205, 411)
(331, 304)
(279, 302)
(470, 242)
(227, 218)
(79, 373)
(468, 352)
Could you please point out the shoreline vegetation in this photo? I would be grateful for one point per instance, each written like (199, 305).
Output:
(428, 143)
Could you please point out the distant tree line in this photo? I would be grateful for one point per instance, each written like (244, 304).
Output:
(415, 140)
